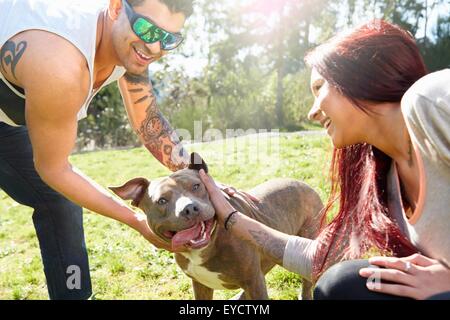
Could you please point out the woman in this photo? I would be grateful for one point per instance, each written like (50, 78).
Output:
(390, 172)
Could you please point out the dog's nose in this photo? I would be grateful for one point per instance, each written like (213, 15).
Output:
(190, 211)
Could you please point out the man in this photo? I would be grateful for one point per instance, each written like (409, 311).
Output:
(54, 57)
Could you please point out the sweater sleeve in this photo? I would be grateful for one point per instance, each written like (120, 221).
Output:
(298, 255)
(426, 108)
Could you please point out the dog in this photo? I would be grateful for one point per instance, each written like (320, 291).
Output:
(179, 211)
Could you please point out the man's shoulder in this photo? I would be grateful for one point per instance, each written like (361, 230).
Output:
(48, 57)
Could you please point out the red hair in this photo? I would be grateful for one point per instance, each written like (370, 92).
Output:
(374, 63)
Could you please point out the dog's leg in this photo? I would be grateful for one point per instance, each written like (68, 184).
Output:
(257, 289)
(202, 292)
(306, 290)
(240, 296)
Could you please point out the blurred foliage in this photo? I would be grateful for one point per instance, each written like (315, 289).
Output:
(253, 74)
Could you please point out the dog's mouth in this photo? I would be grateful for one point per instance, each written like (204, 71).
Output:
(195, 237)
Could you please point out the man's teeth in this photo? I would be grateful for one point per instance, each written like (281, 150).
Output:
(140, 53)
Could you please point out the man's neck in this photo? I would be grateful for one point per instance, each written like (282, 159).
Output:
(104, 53)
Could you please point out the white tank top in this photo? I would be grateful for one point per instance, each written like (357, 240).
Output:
(73, 20)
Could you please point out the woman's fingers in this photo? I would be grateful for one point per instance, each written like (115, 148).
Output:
(392, 289)
(208, 181)
(402, 263)
(420, 260)
(375, 275)
(252, 197)
(222, 206)
(388, 262)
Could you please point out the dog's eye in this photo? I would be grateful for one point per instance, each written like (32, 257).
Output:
(196, 186)
(162, 201)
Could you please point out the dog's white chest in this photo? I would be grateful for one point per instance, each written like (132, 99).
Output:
(200, 273)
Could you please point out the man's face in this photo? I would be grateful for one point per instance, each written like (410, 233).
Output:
(134, 54)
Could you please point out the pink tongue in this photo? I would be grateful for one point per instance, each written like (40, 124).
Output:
(183, 237)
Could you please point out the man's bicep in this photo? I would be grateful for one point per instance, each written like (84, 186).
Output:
(51, 116)
(52, 138)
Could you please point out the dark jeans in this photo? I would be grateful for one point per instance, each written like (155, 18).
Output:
(343, 282)
(58, 221)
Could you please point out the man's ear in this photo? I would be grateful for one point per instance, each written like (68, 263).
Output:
(197, 162)
(114, 8)
(132, 190)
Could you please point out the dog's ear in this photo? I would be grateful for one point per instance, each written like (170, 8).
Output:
(132, 190)
(197, 162)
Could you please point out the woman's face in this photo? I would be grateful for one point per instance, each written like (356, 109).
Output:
(343, 121)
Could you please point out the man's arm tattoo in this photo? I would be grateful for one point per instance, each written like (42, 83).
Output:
(272, 246)
(158, 136)
(10, 55)
(138, 78)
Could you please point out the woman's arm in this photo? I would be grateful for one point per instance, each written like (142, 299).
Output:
(292, 252)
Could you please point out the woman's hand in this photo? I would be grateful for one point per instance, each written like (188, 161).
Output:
(270, 241)
(416, 276)
(232, 191)
(222, 206)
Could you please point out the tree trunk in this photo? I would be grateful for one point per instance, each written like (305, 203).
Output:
(280, 76)
(280, 91)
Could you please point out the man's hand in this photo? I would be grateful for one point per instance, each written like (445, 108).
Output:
(416, 276)
(147, 233)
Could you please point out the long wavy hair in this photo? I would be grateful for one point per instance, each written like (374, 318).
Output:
(374, 63)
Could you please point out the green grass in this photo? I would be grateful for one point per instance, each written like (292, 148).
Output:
(125, 266)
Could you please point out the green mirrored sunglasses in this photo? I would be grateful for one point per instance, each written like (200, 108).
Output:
(149, 32)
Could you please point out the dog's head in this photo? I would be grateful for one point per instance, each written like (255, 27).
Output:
(178, 208)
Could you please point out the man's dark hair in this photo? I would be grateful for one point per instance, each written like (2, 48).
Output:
(183, 6)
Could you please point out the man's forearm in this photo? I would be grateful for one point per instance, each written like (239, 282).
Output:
(150, 125)
(80, 189)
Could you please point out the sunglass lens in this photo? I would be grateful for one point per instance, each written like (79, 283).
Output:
(171, 41)
(151, 33)
(141, 26)
(147, 31)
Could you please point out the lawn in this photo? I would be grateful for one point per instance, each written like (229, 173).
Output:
(125, 266)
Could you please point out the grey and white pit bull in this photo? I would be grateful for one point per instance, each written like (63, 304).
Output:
(179, 211)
